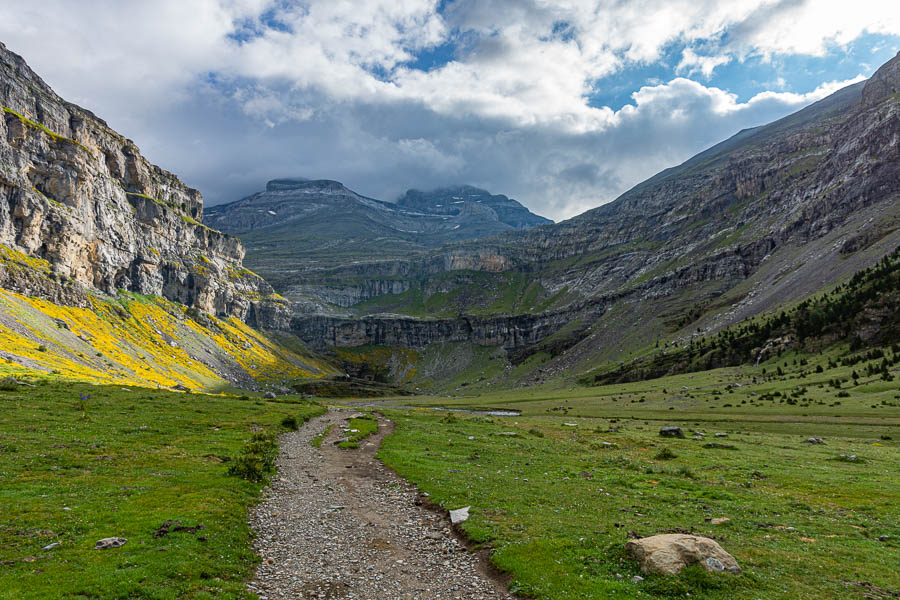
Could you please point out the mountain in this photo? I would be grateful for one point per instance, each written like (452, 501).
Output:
(298, 225)
(107, 272)
(462, 199)
(766, 218)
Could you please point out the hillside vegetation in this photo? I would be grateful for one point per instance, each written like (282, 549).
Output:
(864, 310)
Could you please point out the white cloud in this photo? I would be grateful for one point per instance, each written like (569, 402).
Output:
(692, 63)
(230, 92)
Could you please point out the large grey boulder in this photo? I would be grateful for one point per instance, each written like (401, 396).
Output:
(670, 553)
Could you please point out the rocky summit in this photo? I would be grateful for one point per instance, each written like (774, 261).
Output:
(301, 225)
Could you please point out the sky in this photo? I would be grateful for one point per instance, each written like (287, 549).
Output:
(562, 105)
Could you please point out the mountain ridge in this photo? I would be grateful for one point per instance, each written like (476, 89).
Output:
(298, 224)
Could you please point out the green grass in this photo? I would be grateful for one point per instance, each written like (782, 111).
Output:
(316, 442)
(359, 429)
(555, 504)
(125, 461)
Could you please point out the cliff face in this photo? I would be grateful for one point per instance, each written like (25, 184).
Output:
(324, 331)
(79, 199)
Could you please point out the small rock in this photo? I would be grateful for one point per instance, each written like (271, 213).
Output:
(571, 424)
(714, 564)
(721, 435)
(881, 538)
(270, 396)
(814, 440)
(671, 432)
(181, 388)
(720, 520)
(459, 515)
(51, 546)
(637, 579)
(110, 542)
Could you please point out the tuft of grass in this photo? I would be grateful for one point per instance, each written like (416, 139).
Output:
(665, 454)
(316, 442)
(363, 426)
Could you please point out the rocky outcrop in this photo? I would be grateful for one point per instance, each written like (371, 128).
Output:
(885, 82)
(323, 331)
(460, 199)
(79, 197)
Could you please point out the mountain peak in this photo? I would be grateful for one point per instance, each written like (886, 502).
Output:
(454, 198)
(883, 83)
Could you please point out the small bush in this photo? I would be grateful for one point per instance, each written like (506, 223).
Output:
(9, 384)
(257, 459)
(536, 432)
(665, 454)
(42, 348)
(290, 422)
(686, 472)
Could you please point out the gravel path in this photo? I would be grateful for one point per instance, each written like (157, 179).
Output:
(337, 524)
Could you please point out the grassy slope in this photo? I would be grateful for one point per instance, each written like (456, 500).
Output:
(472, 292)
(556, 504)
(138, 340)
(124, 463)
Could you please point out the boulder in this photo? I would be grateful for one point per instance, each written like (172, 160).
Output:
(671, 432)
(270, 395)
(670, 553)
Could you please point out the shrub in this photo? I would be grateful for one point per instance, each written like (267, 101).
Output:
(290, 422)
(9, 384)
(665, 454)
(257, 459)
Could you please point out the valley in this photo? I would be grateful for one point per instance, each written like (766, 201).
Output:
(292, 394)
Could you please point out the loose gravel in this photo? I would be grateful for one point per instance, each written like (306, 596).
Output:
(337, 524)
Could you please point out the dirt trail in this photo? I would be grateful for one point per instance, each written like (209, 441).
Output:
(338, 524)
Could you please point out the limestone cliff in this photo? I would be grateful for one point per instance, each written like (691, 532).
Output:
(80, 200)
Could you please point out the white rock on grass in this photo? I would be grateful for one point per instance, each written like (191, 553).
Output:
(459, 515)
(110, 542)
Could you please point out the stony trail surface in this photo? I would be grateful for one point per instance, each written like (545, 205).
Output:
(337, 524)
